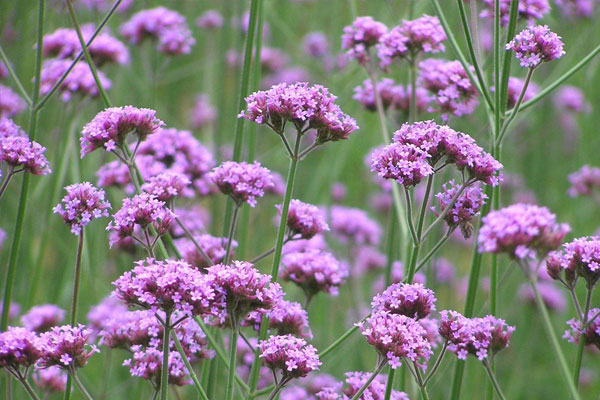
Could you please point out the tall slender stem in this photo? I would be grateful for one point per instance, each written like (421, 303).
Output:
(445, 211)
(389, 386)
(164, 372)
(14, 77)
(341, 339)
(366, 385)
(189, 367)
(234, 218)
(434, 250)
(232, 360)
(30, 391)
(412, 107)
(437, 364)
(516, 108)
(581, 345)
(391, 240)
(80, 386)
(493, 380)
(5, 183)
(77, 279)
(421, 383)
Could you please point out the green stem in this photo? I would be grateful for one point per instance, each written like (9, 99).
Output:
(189, 367)
(510, 33)
(421, 383)
(33, 119)
(412, 107)
(434, 250)
(14, 77)
(445, 210)
(232, 360)
(368, 382)
(493, 380)
(437, 364)
(164, 372)
(236, 210)
(516, 109)
(409, 216)
(80, 386)
(341, 339)
(389, 387)
(77, 279)
(30, 391)
(391, 240)
(581, 345)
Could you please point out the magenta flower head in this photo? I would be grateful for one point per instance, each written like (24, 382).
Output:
(9, 128)
(354, 382)
(19, 347)
(210, 20)
(10, 102)
(584, 181)
(168, 27)
(245, 289)
(412, 300)
(166, 186)
(578, 8)
(528, 9)
(390, 93)
(305, 106)
(571, 98)
(353, 225)
(305, 219)
(286, 318)
(404, 163)
(241, 181)
(314, 271)
(83, 203)
(465, 208)
(397, 337)
(79, 81)
(66, 347)
(536, 44)
(591, 333)
(422, 35)
(203, 114)
(481, 337)
(521, 231)
(51, 379)
(42, 318)
(110, 128)
(22, 154)
(214, 247)
(359, 37)
(146, 363)
(578, 259)
(315, 44)
(143, 210)
(290, 355)
(170, 286)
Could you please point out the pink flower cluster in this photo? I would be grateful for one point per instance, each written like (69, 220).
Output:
(19, 347)
(393, 96)
(584, 181)
(42, 318)
(354, 382)
(210, 20)
(465, 208)
(290, 355)
(528, 9)
(412, 300)
(286, 318)
(67, 347)
(536, 44)
(515, 87)
(214, 247)
(305, 219)
(314, 271)
(167, 185)
(315, 44)
(579, 258)
(591, 333)
(579, 8)
(242, 181)
(203, 114)
(354, 225)
(359, 37)
(82, 203)
(51, 379)
(79, 81)
(22, 154)
(11, 103)
(571, 98)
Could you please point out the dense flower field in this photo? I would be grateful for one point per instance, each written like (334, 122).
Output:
(299, 199)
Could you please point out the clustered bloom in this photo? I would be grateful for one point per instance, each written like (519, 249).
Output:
(64, 43)
(203, 113)
(579, 8)
(465, 208)
(289, 354)
(286, 318)
(166, 186)
(245, 289)
(571, 98)
(579, 258)
(196, 218)
(528, 9)
(314, 271)
(536, 44)
(405, 163)
(209, 20)
(584, 181)
(393, 96)
(481, 337)
(307, 107)
(521, 231)
(308, 388)
(42, 318)
(82, 203)
(79, 81)
(19, 347)
(452, 89)
(51, 379)
(359, 37)
(591, 333)
(214, 247)
(66, 347)
(167, 26)
(10, 102)
(314, 44)
(354, 382)
(354, 225)
(170, 286)
(9, 128)
(397, 337)
(22, 154)
(412, 300)
(305, 219)
(242, 181)
(422, 35)
(110, 128)
(142, 209)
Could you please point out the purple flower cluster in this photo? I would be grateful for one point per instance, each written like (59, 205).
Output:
(315, 44)
(146, 363)
(22, 154)
(305, 219)
(82, 203)
(10, 102)
(286, 318)
(359, 37)
(67, 347)
(64, 43)
(354, 382)
(42, 318)
(9, 128)
(170, 286)
(412, 300)
(591, 333)
(110, 128)
(393, 96)
(19, 347)
(79, 81)
(571, 98)
(51, 379)
(196, 218)
(481, 337)
(579, 258)
(465, 208)
(536, 44)
(307, 107)
(167, 185)
(214, 247)
(289, 354)
(405, 163)
(521, 231)
(167, 26)
(452, 89)
(528, 9)
(422, 35)
(242, 181)
(584, 181)
(579, 8)
(203, 114)
(210, 20)
(397, 337)
(354, 225)
(314, 271)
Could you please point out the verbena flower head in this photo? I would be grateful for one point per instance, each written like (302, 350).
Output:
(390, 93)
(354, 382)
(536, 44)
(591, 333)
(314, 271)
(42, 318)
(142, 210)
(66, 347)
(315, 44)
(571, 98)
(196, 218)
(579, 258)
(245, 288)
(397, 337)
(110, 128)
(9, 128)
(405, 163)
(354, 225)
(168, 27)
(290, 355)
(19, 347)
(83, 203)
(214, 247)
(210, 20)
(422, 35)
(466, 207)
(20, 153)
(125, 329)
(306, 106)
(584, 181)
(412, 300)
(521, 231)
(452, 89)
(203, 114)
(578, 8)
(10, 102)
(552, 296)
(481, 337)
(79, 81)
(242, 181)
(285, 318)
(528, 9)
(170, 286)
(167, 185)
(359, 37)
(305, 219)
(146, 363)
(51, 379)
(366, 259)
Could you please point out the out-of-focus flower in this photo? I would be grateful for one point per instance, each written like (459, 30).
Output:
(210, 20)
(584, 181)
(203, 114)
(42, 318)
(359, 37)
(314, 271)
(11, 103)
(79, 81)
(528, 9)
(315, 44)
(353, 225)
(305, 219)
